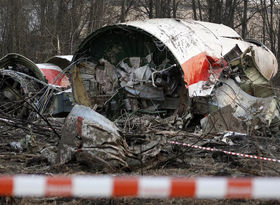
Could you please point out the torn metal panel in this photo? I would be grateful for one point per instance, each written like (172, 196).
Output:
(256, 85)
(106, 76)
(61, 61)
(61, 103)
(181, 39)
(15, 91)
(201, 73)
(267, 66)
(84, 85)
(87, 131)
(30, 85)
(244, 70)
(54, 74)
(11, 60)
(194, 73)
(149, 63)
(201, 88)
(246, 107)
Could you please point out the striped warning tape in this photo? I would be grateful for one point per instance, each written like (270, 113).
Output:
(226, 152)
(142, 187)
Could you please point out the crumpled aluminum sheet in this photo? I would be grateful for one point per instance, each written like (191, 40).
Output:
(245, 106)
(186, 39)
(94, 135)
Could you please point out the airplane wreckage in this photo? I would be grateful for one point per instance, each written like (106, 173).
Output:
(189, 74)
(26, 85)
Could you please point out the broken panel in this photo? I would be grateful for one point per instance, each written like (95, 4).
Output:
(28, 87)
(86, 132)
(195, 75)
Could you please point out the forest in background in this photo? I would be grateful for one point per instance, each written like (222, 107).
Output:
(40, 29)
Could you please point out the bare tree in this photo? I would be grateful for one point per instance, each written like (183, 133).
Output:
(270, 24)
(14, 26)
(278, 39)
(220, 11)
(194, 9)
(244, 19)
(159, 8)
(126, 6)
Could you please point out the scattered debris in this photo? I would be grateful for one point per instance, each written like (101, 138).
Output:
(173, 73)
(23, 144)
(200, 75)
(26, 87)
(139, 85)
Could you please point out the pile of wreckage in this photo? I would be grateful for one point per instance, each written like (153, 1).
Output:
(135, 85)
(26, 86)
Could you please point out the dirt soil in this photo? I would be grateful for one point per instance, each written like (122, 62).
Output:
(172, 160)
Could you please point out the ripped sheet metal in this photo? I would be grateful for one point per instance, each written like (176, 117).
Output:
(246, 107)
(187, 39)
(92, 135)
(45, 72)
(266, 61)
(12, 59)
(61, 61)
(54, 74)
(201, 73)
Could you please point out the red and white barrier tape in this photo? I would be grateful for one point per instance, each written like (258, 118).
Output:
(226, 152)
(142, 187)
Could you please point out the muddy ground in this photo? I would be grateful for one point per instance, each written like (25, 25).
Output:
(172, 160)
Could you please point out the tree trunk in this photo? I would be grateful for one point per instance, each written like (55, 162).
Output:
(194, 10)
(272, 36)
(123, 13)
(200, 10)
(151, 8)
(278, 45)
(244, 20)
(158, 8)
(174, 8)
(263, 11)
(210, 10)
